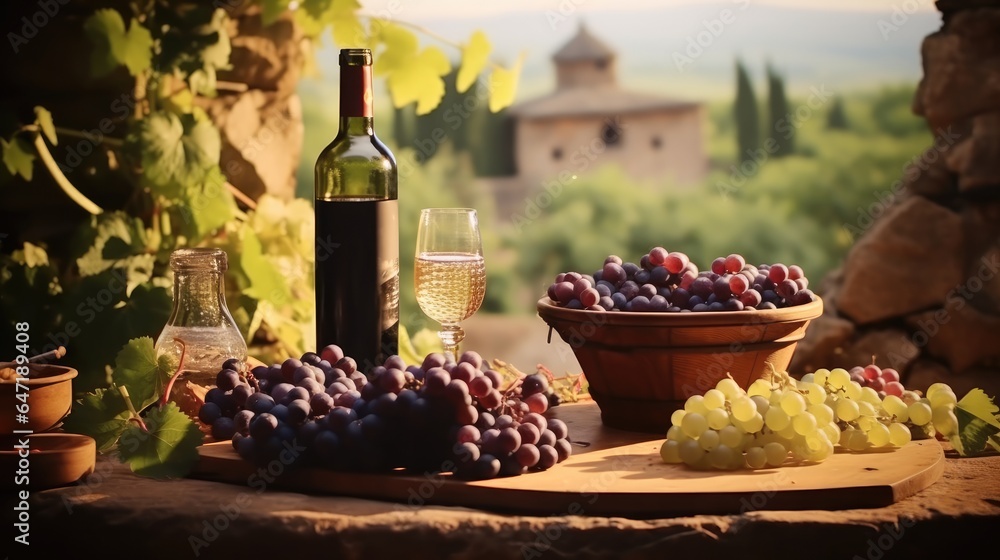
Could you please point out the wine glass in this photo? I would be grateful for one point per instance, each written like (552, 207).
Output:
(449, 271)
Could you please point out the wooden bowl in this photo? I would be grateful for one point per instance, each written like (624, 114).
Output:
(50, 397)
(54, 459)
(641, 367)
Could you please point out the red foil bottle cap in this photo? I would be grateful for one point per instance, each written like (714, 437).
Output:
(356, 83)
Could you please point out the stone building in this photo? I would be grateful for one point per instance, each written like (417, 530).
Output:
(590, 121)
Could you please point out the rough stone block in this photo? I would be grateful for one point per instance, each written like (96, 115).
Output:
(879, 278)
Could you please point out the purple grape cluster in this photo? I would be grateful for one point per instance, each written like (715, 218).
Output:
(670, 282)
(439, 416)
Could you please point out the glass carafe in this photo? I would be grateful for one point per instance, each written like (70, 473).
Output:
(200, 318)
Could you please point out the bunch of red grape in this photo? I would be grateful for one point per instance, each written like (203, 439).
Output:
(884, 381)
(440, 416)
(670, 282)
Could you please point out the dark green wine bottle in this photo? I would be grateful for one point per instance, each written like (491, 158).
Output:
(357, 228)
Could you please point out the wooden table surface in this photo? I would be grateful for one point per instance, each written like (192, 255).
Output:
(115, 514)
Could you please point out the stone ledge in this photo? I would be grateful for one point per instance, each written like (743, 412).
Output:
(121, 515)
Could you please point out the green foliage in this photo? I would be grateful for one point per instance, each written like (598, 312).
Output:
(746, 115)
(101, 415)
(978, 424)
(779, 115)
(18, 157)
(115, 46)
(156, 439)
(138, 370)
(475, 55)
(165, 447)
(892, 113)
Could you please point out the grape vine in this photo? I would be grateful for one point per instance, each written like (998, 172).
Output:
(170, 154)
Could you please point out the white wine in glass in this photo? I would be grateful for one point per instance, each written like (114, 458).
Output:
(449, 270)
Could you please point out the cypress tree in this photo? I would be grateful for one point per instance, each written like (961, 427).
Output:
(747, 118)
(781, 128)
(836, 119)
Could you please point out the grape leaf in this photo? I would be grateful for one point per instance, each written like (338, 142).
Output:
(169, 449)
(347, 30)
(114, 46)
(126, 229)
(139, 371)
(973, 433)
(420, 80)
(102, 415)
(977, 403)
(31, 255)
(503, 85)
(175, 151)
(475, 55)
(18, 157)
(217, 54)
(266, 283)
(400, 47)
(44, 119)
(209, 206)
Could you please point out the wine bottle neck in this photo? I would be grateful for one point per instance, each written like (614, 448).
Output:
(356, 91)
(357, 126)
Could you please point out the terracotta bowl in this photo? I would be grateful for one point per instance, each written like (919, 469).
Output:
(641, 367)
(54, 459)
(50, 397)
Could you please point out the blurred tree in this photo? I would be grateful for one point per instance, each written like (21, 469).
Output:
(836, 119)
(746, 113)
(780, 129)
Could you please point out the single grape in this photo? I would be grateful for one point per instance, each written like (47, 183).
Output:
(731, 436)
(899, 434)
(539, 403)
(944, 420)
(694, 424)
(839, 378)
(776, 453)
(777, 273)
(894, 388)
(691, 452)
(547, 457)
(263, 425)
(227, 379)
(717, 418)
(209, 413)
(713, 398)
(709, 439)
(558, 427)
(223, 428)
(847, 410)
(756, 457)
(729, 388)
(878, 435)
(564, 449)
(670, 452)
(241, 421)
(793, 403)
(804, 423)
(743, 408)
(942, 398)
(776, 419)
(920, 413)
(534, 383)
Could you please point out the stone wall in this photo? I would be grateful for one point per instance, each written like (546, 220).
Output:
(920, 289)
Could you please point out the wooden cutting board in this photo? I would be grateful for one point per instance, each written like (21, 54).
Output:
(619, 473)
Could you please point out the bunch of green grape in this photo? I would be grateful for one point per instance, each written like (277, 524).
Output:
(779, 419)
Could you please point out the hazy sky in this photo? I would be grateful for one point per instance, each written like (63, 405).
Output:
(467, 8)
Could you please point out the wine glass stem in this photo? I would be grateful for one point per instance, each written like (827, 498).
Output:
(450, 336)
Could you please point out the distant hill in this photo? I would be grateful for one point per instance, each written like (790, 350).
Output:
(845, 50)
